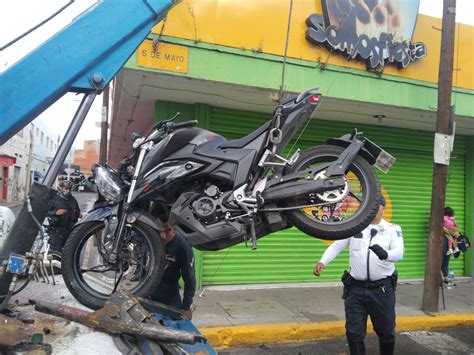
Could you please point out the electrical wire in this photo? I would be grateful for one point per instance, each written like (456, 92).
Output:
(37, 26)
(194, 92)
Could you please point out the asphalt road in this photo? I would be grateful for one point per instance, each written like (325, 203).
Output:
(458, 341)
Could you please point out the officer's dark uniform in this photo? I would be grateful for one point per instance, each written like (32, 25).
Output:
(179, 263)
(370, 284)
(62, 225)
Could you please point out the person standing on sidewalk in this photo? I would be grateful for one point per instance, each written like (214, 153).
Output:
(63, 214)
(369, 287)
(179, 263)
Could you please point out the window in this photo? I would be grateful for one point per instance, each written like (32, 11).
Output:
(42, 138)
(37, 132)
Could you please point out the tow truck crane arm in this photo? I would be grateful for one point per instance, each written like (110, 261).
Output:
(82, 58)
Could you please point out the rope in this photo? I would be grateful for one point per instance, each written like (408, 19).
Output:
(280, 95)
(215, 272)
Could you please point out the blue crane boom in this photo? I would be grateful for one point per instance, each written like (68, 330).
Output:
(83, 58)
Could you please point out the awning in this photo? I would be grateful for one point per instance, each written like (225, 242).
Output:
(7, 160)
(37, 174)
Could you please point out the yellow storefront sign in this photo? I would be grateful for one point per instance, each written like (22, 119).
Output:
(164, 57)
(260, 26)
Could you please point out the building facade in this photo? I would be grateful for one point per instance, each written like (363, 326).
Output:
(87, 156)
(221, 63)
(25, 158)
(44, 144)
(14, 156)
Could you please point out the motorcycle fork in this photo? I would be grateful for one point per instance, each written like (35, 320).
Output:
(124, 212)
(116, 231)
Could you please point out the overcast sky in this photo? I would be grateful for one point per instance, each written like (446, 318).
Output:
(18, 16)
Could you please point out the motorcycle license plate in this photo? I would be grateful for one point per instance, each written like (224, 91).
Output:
(383, 160)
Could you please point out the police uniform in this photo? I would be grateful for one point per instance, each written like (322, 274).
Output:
(370, 286)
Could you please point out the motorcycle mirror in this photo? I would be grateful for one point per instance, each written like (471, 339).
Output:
(135, 136)
(161, 123)
(174, 117)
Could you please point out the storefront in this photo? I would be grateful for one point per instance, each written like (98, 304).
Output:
(5, 162)
(221, 62)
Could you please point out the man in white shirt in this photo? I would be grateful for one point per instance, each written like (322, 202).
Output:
(369, 287)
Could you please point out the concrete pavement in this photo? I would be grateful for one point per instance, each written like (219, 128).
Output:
(450, 341)
(230, 306)
(232, 317)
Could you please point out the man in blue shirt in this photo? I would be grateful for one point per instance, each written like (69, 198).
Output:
(179, 263)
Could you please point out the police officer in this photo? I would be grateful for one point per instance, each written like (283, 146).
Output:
(63, 214)
(179, 263)
(369, 287)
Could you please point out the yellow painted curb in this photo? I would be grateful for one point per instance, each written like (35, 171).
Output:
(254, 334)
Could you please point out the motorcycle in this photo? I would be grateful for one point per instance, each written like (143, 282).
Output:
(218, 193)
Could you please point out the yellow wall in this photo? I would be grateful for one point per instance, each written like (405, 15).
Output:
(260, 25)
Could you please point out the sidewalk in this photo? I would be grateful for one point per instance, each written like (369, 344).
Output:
(236, 317)
(232, 317)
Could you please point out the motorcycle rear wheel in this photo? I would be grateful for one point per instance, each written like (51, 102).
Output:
(334, 221)
(91, 279)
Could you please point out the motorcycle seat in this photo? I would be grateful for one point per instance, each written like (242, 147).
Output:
(242, 142)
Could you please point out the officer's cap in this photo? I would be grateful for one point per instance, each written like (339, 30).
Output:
(382, 200)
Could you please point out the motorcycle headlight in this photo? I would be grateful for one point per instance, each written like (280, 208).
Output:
(108, 183)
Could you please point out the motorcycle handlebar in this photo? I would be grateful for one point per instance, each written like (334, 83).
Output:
(184, 124)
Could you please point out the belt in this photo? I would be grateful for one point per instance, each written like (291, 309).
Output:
(387, 281)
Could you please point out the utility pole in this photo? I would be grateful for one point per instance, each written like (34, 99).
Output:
(438, 194)
(104, 126)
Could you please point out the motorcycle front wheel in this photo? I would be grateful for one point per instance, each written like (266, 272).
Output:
(92, 278)
(341, 213)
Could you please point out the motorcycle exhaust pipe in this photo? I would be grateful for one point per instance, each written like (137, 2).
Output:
(295, 189)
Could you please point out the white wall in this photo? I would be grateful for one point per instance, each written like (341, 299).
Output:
(43, 144)
(17, 147)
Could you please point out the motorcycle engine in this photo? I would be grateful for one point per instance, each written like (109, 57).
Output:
(207, 206)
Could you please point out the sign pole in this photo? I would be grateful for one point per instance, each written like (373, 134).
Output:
(104, 125)
(445, 82)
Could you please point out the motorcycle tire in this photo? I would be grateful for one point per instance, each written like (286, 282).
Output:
(322, 227)
(82, 288)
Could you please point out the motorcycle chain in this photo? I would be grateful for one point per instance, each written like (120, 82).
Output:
(279, 209)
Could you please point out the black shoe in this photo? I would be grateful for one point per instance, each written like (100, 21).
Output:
(357, 347)
(387, 348)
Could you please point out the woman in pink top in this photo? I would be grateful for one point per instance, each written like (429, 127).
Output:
(451, 230)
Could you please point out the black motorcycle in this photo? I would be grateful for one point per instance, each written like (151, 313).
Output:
(218, 193)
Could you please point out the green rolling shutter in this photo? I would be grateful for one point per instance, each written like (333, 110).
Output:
(289, 256)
